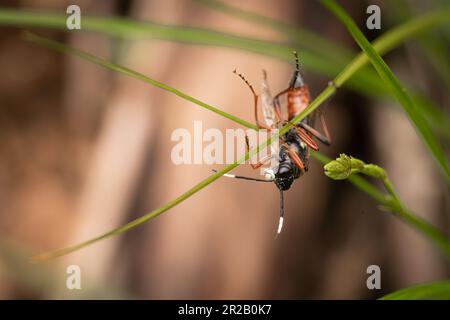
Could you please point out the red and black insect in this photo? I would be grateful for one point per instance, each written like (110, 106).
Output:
(293, 154)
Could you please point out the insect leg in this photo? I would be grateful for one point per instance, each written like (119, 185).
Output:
(255, 99)
(325, 138)
(260, 163)
(294, 157)
(301, 133)
(243, 177)
(277, 96)
(277, 108)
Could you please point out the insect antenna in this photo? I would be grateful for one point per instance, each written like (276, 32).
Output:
(280, 222)
(297, 66)
(297, 78)
(245, 80)
(243, 178)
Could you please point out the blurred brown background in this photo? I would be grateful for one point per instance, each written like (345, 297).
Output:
(84, 150)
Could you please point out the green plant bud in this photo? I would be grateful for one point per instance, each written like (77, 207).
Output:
(339, 169)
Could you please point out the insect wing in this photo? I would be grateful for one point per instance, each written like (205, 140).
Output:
(267, 103)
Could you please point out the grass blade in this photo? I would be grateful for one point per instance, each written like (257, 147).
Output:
(418, 223)
(139, 221)
(385, 43)
(134, 74)
(435, 290)
(368, 82)
(63, 48)
(433, 45)
(305, 39)
(386, 74)
(135, 30)
(130, 29)
(362, 80)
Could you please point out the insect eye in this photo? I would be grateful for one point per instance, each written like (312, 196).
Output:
(284, 169)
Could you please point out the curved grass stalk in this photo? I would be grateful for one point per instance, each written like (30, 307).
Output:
(363, 80)
(136, 30)
(54, 45)
(328, 49)
(130, 29)
(61, 47)
(433, 45)
(304, 38)
(435, 290)
(388, 41)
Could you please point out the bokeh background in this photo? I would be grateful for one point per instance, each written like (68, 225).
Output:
(84, 150)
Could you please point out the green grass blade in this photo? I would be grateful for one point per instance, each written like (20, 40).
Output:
(386, 74)
(368, 82)
(305, 39)
(386, 43)
(438, 54)
(437, 118)
(362, 81)
(364, 185)
(435, 290)
(431, 43)
(121, 69)
(391, 39)
(132, 29)
(440, 240)
(139, 221)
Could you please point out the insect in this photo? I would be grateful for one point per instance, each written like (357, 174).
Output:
(294, 152)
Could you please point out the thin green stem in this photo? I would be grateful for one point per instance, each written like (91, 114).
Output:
(425, 291)
(368, 80)
(349, 71)
(399, 34)
(439, 239)
(327, 49)
(432, 233)
(136, 30)
(431, 43)
(57, 253)
(356, 180)
(398, 90)
(342, 168)
(362, 79)
(54, 45)
(303, 38)
(390, 188)
(137, 222)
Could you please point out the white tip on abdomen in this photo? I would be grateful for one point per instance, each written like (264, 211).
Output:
(280, 225)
